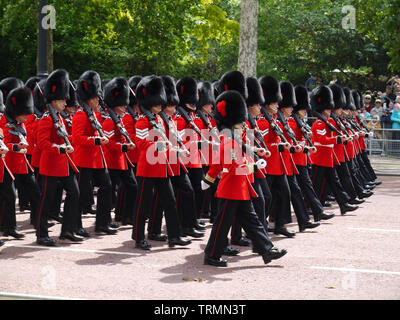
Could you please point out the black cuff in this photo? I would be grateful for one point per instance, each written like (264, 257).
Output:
(97, 141)
(281, 148)
(15, 148)
(292, 150)
(338, 140)
(124, 148)
(306, 150)
(345, 142)
(62, 150)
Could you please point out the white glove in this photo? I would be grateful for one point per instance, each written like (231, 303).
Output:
(261, 164)
(204, 186)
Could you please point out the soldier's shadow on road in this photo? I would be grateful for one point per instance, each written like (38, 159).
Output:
(114, 259)
(193, 268)
(14, 253)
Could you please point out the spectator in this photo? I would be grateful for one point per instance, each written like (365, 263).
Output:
(370, 82)
(386, 121)
(334, 80)
(377, 110)
(365, 115)
(311, 83)
(368, 103)
(396, 120)
(346, 83)
(389, 95)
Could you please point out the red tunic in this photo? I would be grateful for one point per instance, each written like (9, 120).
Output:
(115, 157)
(87, 154)
(52, 163)
(236, 169)
(324, 140)
(151, 163)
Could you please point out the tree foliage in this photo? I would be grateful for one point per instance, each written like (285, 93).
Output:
(201, 37)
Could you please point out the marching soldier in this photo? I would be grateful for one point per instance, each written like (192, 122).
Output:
(116, 98)
(302, 159)
(235, 202)
(153, 169)
(19, 105)
(277, 167)
(324, 140)
(89, 140)
(55, 164)
(285, 110)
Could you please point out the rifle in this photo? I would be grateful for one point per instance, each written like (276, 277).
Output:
(212, 129)
(327, 123)
(303, 129)
(67, 118)
(176, 136)
(159, 130)
(189, 121)
(93, 121)
(273, 124)
(4, 149)
(17, 131)
(120, 127)
(288, 129)
(257, 134)
(62, 132)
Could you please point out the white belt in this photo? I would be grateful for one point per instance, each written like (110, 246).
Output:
(324, 145)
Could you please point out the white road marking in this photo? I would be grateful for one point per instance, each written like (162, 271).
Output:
(31, 296)
(356, 270)
(73, 250)
(374, 229)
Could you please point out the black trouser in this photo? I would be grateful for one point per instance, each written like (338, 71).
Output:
(244, 213)
(185, 204)
(127, 185)
(267, 199)
(297, 200)
(326, 176)
(195, 176)
(259, 208)
(7, 203)
(214, 205)
(23, 190)
(71, 205)
(364, 156)
(305, 184)
(34, 194)
(364, 169)
(345, 179)
(358, 185)
(87, 178)
(280, 207)
(144, 205)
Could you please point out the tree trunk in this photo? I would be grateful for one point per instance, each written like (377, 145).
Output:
(247, 62)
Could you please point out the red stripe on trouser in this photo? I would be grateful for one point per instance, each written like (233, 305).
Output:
(154, 213)
(41, 207)
(137, 212)
(219, 226)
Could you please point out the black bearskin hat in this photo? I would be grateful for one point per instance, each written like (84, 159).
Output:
(233, 80)
(89, 86)
(39, 101)
(231, 109)
(150, 92)
(288, 95)
(116, 93)
(206, 94)
(104, 83)
(9, 84)
(19, 102)
(356, 98)
(73, 97)
(133, 82)
(187, 91)
(57, 86)
(321, 99)
(31, 82)
(271, 89)
(170, 91)
(338, 96)
(302, 98)
(255, 95)
(349, 100)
